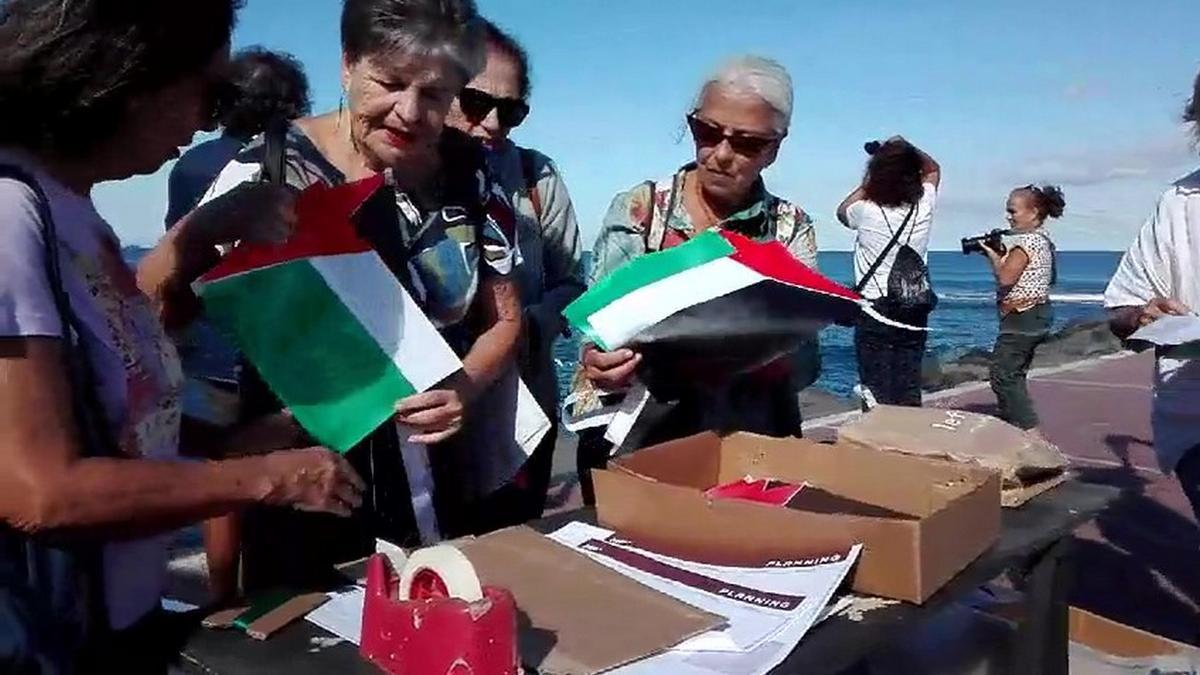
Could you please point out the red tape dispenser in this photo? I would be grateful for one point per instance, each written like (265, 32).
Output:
(436, 618)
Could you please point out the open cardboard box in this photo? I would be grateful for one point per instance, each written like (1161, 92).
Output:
(941, 515)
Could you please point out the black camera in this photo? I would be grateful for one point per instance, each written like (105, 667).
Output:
(872, 147)
(994, 240)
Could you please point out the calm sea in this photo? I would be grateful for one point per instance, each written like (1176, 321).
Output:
(965, 318)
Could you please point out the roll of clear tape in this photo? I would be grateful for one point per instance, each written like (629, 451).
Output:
(439, 571)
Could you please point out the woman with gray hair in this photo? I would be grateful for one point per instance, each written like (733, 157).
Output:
(403, 63)
(738, 122)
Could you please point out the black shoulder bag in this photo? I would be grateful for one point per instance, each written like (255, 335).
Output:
(51, 589)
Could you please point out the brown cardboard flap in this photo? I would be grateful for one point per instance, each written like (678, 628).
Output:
(731, 533)
(911, 485)
(296, 608)
(224, 618)
(1118, 639)
(576, 616)
(929, 518)
(694, 462)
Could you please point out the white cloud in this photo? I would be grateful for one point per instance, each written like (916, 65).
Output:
(1157, 157)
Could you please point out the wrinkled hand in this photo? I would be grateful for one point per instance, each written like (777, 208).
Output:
(434, 415)
(1160, 307)
(261, 213)
(992, 254)
(610, 370)
(312, 479)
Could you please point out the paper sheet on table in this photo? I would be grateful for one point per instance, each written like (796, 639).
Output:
(1170, 331)
(760, 604)
(342, 615)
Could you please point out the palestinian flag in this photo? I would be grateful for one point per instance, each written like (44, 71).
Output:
(325, 322)
(718, 305)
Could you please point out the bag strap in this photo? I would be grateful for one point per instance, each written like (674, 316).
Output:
(654, 230)
(530, 174)
(97, 438)
(274, 165)
(862, 283)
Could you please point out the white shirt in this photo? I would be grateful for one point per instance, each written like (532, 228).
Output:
(1162, 262)
(876, 225)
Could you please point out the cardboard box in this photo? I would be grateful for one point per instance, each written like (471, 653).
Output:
(943, 514)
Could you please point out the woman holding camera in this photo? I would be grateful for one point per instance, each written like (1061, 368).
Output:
(892, 214)
(1025, 270)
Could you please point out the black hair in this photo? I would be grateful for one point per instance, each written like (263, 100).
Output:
(508, 45)
(1047, 199)
(446, 28)
(266, 86)
(894, 175)
(69, 68)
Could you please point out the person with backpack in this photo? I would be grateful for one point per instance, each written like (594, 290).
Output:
(1025, 270)
(551, 272)
(891, 214)
(738, 123)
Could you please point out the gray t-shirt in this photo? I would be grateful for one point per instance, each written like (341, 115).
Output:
(136, 367)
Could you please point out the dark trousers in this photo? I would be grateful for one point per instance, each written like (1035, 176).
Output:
(1020, 335)
(889, 359)
(1188, 473)
(524, 497)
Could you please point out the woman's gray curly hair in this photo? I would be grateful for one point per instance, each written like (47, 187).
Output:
(762, 77)
(446, 29)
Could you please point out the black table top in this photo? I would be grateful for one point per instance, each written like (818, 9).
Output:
(831, 647)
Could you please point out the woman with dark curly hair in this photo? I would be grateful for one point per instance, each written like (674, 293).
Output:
(264, 87)
(1024, 270)
(892, 214)
(92, 91)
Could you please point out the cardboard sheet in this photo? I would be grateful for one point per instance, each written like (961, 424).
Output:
(576, 616)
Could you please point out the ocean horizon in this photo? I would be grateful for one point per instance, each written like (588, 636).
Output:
(964, 320)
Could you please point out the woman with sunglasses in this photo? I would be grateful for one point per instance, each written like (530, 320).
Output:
(551, 273)
(92, 485)
(403, 62)
(738, 123)
(1025, 271)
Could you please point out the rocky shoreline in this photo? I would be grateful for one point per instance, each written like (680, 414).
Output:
(1076, 342)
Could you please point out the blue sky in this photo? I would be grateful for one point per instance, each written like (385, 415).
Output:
(1084, 93)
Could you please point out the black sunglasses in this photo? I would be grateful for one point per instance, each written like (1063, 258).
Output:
(477, 105)
(708, 135)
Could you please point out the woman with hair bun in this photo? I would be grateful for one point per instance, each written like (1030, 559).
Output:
(1025, 270)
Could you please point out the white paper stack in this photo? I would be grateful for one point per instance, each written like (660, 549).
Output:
(769, 609)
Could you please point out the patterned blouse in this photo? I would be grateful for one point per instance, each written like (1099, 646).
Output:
(441, 257)
(622, 237)
(1033, 288)
(763, 401)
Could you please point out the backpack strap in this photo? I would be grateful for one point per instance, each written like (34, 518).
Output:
(862, 283)
(530, 174)
(97, 439)
(654, 230)
(274, 165)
